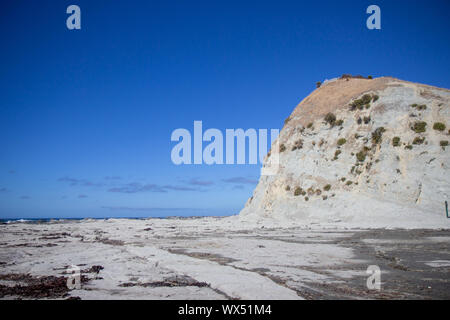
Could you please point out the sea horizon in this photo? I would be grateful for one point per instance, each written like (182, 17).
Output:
(49, 219)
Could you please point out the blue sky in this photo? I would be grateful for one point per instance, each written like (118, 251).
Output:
(86, 115)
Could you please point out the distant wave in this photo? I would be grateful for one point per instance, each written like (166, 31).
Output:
(62, 220)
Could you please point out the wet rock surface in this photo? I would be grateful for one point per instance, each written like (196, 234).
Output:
(36, 287)
(220, 259)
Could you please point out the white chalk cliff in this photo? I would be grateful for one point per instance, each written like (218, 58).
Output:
(366, 152)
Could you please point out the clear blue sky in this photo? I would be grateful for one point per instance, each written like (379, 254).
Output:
(86, 116)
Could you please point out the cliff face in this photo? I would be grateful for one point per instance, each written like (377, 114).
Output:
(366, 151)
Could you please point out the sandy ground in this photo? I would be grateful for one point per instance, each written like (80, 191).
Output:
(219, 258)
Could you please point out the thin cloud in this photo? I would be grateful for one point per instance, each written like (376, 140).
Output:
(71, 181)
(198, 182)
(179, 188)
(136, 187)
(3, 190)
(113, 178)
(79, 182)
(147, 209)
(240, 180)
(25, 197)
(82, 196)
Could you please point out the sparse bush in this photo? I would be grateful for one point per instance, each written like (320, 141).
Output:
(419, 106)
(408, 147)
(443, 144)
(418, 140)
(396, 141)
(343, 179)
(297, 144)
(318, 84)
(341, 141)
(439, 126)
(322, 141)
(339, 122)
(298, 191)
(359, 121)
(336, 154)
(318, 192)
(360, 103)
(330, 118)
(306, 198)
(327, 187)
(349, 183)
(287, 120)
(377, 135)
(346, 76)
(309, 125)
(361, 156)
(419, 126)
(349, 76)
(288, 188)
(282, 147)
(366, 99)
(366, 120)
(375, 97)
(324, 197)
(369, 77)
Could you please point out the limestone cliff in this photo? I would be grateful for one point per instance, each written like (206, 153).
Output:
(369, 151)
